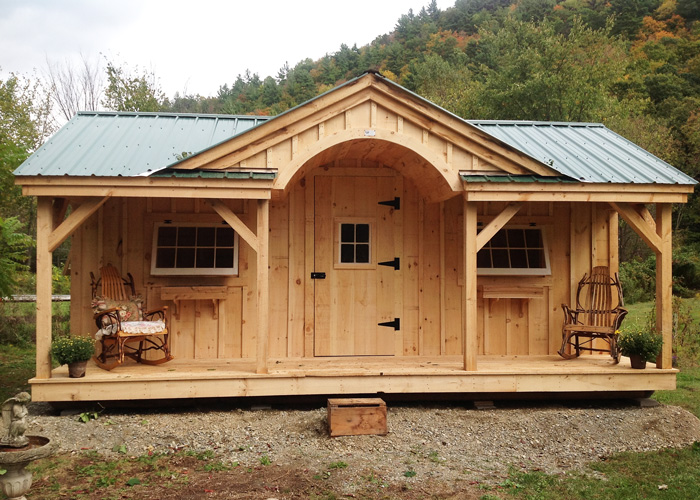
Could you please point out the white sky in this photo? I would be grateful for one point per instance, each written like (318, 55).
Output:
(191, 46)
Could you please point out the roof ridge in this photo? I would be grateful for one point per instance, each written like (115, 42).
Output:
(172, 114)
(536, 123)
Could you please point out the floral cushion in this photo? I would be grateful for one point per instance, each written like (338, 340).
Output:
(142, 327)
(129, 310)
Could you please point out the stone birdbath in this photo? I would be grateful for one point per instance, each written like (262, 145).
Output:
(17, 450)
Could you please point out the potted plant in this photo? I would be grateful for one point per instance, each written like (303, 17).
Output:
(74, 351)
(640, 346)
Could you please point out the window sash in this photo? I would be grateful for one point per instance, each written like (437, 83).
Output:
(194, 249)
(515, 250)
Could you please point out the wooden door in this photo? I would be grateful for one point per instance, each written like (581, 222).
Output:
(356, 265)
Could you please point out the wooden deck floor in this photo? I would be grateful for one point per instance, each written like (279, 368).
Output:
(318, 376)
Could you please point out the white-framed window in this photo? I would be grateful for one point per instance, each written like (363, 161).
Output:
(194, 249)
(515, 250)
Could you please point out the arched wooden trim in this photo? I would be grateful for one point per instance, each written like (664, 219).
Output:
(287, 173)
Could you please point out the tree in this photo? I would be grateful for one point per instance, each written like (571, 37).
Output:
(531, 72)
(14, 245)
(25, 123)
(75, 89)
(126, 92)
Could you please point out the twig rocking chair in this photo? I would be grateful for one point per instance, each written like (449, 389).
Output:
(594, 316)
(124, 330)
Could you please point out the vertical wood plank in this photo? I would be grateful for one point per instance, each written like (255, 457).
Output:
(263, 233)
(398, 279)
(471, 341)
(309, 257)
(295, 312)
(561, 273)
(614, 241)
(421, 276)
(279, 278)
(79, 284)
(43, 288)
(431, 300)
(410, 270)
(664, 285)
(443, 297)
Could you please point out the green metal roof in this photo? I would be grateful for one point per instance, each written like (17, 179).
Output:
(130, 144)
(133, 144)
(210, 174)
(587, 152)
(515, 178)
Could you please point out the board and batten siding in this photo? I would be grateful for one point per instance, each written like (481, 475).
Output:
(512, 318)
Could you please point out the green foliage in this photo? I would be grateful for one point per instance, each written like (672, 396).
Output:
(71, 349)
(17, 366)
(13, 254)
(86, 416)
(127, 92)
(642, 343)
(638, 278)
(25, 122)
(265, 460)
(529, 71)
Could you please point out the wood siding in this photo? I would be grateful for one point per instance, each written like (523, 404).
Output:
(516, 315)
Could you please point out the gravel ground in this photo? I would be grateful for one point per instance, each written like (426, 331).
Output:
(441, 441)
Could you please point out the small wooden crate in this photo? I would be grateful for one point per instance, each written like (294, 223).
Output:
(354, 417)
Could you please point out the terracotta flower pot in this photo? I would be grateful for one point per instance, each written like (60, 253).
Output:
(637, 361)
(77, 369)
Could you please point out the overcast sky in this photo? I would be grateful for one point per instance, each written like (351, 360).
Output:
(191, 46)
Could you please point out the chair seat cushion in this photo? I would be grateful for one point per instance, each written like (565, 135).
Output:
(143, 326)
(132, 327)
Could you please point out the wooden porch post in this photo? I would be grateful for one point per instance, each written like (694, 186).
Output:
(43, 287)
(664, 288)
(263, 237)
(470, 339)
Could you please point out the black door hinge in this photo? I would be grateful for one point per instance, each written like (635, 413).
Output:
(396, 263)
(395, 203)
(396, 324)
(318, 276)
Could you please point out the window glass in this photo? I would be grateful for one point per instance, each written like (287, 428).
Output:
(194, 249)
(515, 250)
(355, 243)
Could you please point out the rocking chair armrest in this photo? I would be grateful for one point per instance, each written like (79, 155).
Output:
(156, 312)
(620, 313)
(112, 313)
(571, 315)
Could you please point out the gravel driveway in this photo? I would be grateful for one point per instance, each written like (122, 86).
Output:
(441, 441)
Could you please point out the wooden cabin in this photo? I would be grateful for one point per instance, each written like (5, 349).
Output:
(370, 251)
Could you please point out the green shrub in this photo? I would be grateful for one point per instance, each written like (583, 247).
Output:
(638, 278)
(71, 349)
(641, 343)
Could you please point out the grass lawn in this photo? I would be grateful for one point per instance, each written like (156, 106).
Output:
(17, 366)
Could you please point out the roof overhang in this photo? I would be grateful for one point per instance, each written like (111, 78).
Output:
(222, 187)
(576, 192)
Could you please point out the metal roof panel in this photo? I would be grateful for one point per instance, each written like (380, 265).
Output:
(588, 152)
(129, 144)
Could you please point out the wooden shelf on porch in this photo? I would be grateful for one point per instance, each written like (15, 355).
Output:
(512, 292)
(179, 293)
